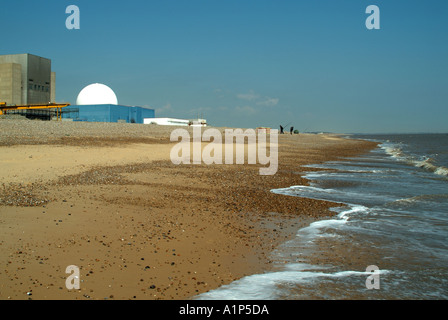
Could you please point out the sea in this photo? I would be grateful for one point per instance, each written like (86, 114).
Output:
(387, 239)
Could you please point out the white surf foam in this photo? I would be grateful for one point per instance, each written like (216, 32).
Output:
(343, 217)
(422, 162)
(267, 286)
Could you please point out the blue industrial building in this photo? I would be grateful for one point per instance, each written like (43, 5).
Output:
(107, 113)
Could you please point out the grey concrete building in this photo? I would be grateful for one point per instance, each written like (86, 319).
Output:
(11, 83)
(26, 79)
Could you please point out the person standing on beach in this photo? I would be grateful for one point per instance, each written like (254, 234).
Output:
(290, 130)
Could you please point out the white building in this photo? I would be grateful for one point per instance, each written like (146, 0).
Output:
(175, 122)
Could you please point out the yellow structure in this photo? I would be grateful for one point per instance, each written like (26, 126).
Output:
(58, 106)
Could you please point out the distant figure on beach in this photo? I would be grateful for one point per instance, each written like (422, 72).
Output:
(291, 130)
(281, 129)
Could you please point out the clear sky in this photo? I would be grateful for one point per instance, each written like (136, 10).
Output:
(247, 63)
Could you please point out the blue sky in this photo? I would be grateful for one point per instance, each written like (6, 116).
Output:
(249, 63)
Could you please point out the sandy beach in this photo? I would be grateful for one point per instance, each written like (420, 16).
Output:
(107, 198)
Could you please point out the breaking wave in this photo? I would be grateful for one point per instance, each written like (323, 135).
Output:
(426, 163)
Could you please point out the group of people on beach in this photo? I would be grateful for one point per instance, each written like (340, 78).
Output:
(282, 130)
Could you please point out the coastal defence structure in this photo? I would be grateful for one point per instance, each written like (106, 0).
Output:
(26, 79)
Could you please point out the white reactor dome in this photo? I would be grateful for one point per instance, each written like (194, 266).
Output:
(96, 93)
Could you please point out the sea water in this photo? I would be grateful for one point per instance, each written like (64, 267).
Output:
(392, 214)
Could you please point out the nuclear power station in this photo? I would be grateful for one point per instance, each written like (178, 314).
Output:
(98, 103)
(28, 88)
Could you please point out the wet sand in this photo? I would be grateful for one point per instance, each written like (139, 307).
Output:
(106, 198)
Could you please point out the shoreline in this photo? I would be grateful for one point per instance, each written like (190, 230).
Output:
(140, 227)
